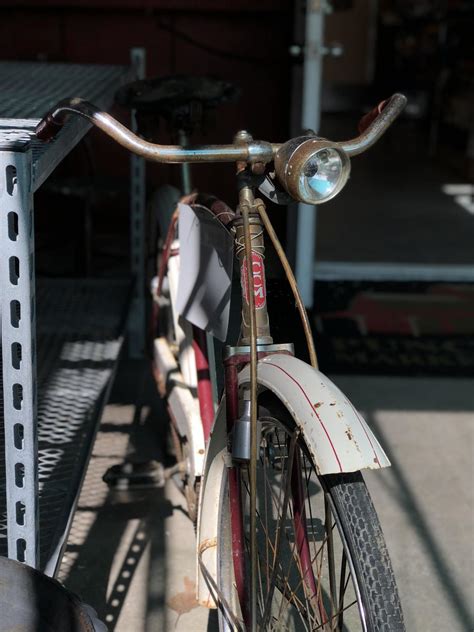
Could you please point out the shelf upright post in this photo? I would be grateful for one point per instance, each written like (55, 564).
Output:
(136, 328)
(18, 341)
(310, 119)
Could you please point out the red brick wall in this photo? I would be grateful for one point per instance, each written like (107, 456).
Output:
(103, 31)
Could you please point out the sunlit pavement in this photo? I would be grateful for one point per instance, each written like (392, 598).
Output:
(131, 555)
(425, 500)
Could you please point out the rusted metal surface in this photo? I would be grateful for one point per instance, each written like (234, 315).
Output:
(249, 606)
(208, 517)
(243, 351)
(50, 125)
(338, 438)
(258, 277)
(257, 153)
(391, 110)
(293, 284)
(292, 158)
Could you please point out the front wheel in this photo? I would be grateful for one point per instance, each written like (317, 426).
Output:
(322, 559)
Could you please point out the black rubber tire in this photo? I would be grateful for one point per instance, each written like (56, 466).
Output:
(360, 526)
(32, 602)
(365, 540)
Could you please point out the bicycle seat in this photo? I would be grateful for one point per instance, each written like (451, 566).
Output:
(181, 100)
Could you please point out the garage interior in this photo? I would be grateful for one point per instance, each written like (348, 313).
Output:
(386, 270)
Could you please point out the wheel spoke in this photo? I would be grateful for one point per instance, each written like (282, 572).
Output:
(342, 591)
(303, 570)
(267, 543)
(286, 498)
(321, 627)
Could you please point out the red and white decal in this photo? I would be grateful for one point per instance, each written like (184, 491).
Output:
(260, 291)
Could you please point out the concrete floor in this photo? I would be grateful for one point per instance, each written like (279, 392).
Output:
(425, 500)
(131, 555)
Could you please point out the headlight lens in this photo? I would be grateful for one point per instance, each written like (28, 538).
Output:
(321, 173)
(311, 169)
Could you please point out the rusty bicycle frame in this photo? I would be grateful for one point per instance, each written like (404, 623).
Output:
(250, 223)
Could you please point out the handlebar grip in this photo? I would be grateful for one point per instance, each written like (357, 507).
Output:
(370, 117)
(48, 128)
(396, 103)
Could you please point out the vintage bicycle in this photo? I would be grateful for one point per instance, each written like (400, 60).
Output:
(287, 536)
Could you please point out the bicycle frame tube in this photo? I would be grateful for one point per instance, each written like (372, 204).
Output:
(237, 532)
(199, 344)
(259, 281)
(204, 387)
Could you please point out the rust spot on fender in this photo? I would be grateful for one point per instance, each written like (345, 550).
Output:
(350, 436)
(332, 403)
(318, 404)
(208, 543)
(340, 414)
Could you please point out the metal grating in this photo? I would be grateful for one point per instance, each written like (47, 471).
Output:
(28, 90)
(79, 340)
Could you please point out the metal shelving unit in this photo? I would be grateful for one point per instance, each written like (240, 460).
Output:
(77, 354)
(70, 330)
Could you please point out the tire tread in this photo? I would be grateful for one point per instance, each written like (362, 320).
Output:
(365, 537)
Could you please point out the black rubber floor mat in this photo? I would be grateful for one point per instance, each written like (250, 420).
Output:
(395, 328)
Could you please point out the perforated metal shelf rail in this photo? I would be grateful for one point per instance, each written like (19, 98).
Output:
(28, 90)
(79, 338)
(54, 377)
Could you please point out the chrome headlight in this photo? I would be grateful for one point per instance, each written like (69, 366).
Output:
(312, 169)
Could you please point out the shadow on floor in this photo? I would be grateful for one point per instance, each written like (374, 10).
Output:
(126, 526)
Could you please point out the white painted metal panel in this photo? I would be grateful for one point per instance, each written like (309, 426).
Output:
(183, 405)
(338, 437)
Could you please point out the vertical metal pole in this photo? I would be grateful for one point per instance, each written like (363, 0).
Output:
(310, 119)
(295, 51)
(186, 185)
(136, 325)
(18, 338)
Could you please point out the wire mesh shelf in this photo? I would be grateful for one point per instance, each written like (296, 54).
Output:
(79, 338)
(29, 89)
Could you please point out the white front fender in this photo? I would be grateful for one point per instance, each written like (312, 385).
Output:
(337, 436)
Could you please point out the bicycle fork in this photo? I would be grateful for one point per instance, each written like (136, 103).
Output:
(255, 331)
(243, 426)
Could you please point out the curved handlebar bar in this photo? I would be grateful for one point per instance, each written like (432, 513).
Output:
(49, 126)
(251, 152)
(374, 124)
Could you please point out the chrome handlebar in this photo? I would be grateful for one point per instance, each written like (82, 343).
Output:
(250, 152)
(49, 126)
(374, 124)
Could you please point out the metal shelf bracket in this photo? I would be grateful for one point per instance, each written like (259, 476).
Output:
(18, 342)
